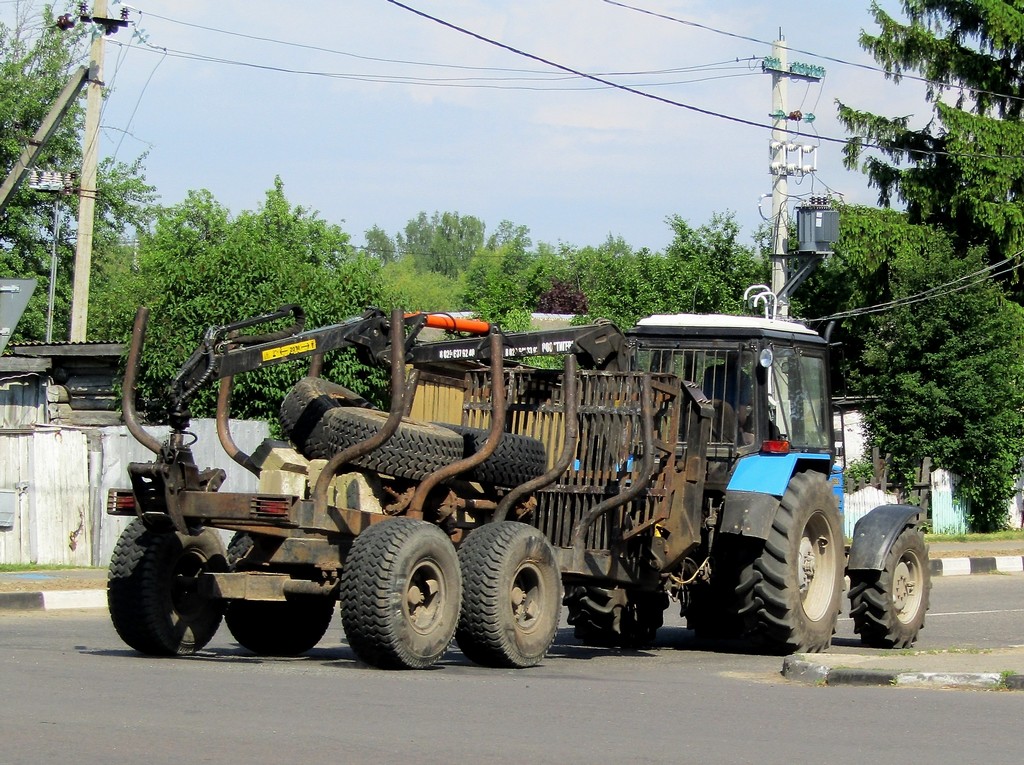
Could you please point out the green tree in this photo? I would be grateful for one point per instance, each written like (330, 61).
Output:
(199, 267)
(945, 374)
(35, 63)
(704, 270)
(380, 246)
(964, 169)
(443, 244)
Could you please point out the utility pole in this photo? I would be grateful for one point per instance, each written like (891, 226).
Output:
(780, 182)
(783, 152)
(102, 26)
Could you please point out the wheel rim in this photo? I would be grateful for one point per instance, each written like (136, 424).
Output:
(906, 587)
(425, 595)
(815, 566)
(526, 597)
(185, 595)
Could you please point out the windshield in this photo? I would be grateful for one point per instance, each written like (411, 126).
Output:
(797, 399)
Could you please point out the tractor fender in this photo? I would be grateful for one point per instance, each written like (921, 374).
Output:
(874, 534)
(756, 487)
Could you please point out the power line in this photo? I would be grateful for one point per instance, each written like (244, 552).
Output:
(869, 67)
(464, 67)
(942, 290)
(453, 82)
(861, 142)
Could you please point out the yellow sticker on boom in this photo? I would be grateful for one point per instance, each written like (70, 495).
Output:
(274, 354)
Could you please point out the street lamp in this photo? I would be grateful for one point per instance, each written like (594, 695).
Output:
(56, 184)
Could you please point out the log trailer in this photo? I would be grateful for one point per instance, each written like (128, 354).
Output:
(687, 460)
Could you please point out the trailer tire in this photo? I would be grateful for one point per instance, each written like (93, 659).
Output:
(512, 596)
(401, 590)
(888, 607)
(416, 449)
(152, 597)
(239, 546)
(615, 617)
(280, 628)
(517, 458)
(798, 577)
(304, 407)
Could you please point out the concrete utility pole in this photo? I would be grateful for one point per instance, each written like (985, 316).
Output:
(87, 193)
(780, 184)
(783, 153)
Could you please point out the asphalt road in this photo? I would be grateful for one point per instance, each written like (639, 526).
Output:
(72, 693)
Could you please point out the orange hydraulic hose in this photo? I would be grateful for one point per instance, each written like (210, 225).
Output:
(453, 324)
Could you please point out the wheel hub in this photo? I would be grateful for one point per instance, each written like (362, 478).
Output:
(424, 597)
(525, 597)
(816, 567)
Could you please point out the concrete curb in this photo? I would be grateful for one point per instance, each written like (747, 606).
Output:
(998, 564)
(809, 672)
(53, 600)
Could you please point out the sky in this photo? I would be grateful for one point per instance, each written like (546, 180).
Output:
(370, 113)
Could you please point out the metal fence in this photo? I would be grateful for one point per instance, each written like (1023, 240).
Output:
(54, 482)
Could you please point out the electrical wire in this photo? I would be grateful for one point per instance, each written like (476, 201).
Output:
(464, 67)
(983, 274)
(453, 82)
(869, 67)
(138, 102)
(863, 143)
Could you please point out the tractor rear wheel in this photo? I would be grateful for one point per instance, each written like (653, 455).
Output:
(798, 577)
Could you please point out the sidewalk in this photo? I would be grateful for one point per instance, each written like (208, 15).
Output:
(1003, 669)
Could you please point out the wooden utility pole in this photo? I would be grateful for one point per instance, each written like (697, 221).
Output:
(87, 193)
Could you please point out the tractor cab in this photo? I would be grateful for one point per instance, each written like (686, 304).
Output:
(767, 380)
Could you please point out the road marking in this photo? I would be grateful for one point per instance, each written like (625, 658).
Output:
(976, 613)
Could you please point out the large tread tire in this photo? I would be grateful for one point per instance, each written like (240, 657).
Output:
(614, 617)
(516, 460)
(798, 577)
(719, 609)
(303, 410)
(280, 628)
(512, 596)
(155, 605)
(416, 449)
(239, 546)
(889, 606)
(401, 591)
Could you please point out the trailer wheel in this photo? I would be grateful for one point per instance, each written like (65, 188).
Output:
(280, 628)
(512, 595)
(516, 460)
(614, 617)
(799, 574)
(400, 594)
(888, 607)
(304, 407)
(152, 594)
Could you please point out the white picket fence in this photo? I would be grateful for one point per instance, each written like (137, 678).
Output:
(947, 512)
